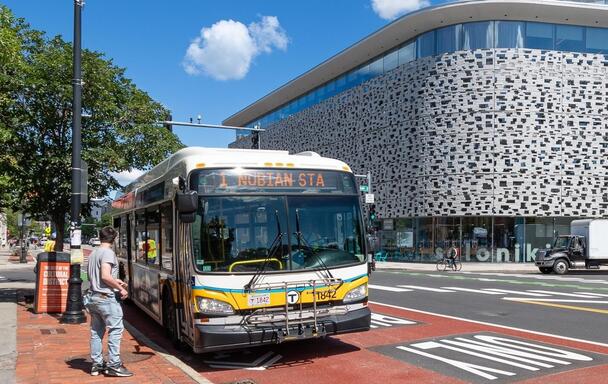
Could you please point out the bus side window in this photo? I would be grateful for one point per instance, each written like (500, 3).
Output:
(140, 232)
(152, 236)
(166, 212)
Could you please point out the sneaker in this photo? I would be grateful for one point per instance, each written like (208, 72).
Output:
(120, 371)
(96, 369)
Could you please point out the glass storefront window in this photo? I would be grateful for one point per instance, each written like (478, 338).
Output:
(477, 35)
(425, 44)
(407, 53)
(477, 239)
(404, 237)
(447, 235)
(569, 38)
(539, 235)
(424, 239)
(508, 238)
(509, 34)
(539, 35)
(597, 40)
(448, 39)
(391, 61)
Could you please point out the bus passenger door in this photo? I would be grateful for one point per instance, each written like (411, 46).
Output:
(184, 273)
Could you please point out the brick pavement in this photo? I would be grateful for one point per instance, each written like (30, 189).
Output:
(51, 352)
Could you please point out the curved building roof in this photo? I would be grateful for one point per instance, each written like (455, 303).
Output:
(411, 25)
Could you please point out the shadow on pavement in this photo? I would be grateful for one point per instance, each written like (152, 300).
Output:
(292, 354)
(80, 363)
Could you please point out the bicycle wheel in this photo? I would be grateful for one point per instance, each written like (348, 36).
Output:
(441, 265)
(457, 265)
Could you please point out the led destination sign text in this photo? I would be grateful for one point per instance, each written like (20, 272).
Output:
(264, 180)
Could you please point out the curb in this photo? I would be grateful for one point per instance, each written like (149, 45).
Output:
(166, 355)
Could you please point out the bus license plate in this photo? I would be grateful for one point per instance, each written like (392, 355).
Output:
(257, 300)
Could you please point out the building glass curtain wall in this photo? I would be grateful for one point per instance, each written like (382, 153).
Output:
(465, 36)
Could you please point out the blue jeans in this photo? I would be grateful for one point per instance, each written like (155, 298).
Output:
(105, 312)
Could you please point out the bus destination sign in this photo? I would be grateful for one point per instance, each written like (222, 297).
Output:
(273, 180)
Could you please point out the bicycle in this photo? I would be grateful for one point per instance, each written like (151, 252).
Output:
(445, 262)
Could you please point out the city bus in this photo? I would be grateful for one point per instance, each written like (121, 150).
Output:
(231, 248)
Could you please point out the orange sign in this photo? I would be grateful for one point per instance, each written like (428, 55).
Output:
(52, 286)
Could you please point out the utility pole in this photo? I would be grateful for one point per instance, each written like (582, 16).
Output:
(74, 313)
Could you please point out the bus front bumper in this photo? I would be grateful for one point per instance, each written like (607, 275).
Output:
(219, 337)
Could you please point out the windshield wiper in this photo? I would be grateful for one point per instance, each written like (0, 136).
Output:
(301, 239)
(274, 247)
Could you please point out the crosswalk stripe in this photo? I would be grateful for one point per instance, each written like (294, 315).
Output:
(442, 290)
(390, 289)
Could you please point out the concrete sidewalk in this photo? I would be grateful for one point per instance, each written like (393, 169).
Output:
(466, 267)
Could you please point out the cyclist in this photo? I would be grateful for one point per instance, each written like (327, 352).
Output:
(453, 254)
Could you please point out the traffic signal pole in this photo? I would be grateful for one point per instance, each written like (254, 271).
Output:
(255, 132)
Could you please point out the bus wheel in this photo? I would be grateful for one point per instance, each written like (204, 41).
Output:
(560, 267)
(169, 319)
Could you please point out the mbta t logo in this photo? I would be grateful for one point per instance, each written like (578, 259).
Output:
(293, 297)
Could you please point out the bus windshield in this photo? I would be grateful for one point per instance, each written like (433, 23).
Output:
(278, 233)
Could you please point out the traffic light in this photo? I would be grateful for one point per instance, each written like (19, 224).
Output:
(372, 212)
(255, 140)
(167, 125)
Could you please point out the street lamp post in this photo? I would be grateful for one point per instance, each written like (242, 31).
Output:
(74, 313)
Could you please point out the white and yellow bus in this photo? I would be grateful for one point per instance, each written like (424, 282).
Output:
(232, 248)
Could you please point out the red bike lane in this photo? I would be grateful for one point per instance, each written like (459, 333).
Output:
(404, 346)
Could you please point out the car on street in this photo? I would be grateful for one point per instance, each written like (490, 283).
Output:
(95, 241)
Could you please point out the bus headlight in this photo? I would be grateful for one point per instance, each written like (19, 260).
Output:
(213, 307)
(355, 294)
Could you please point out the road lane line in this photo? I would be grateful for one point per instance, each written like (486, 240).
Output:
(515, 292)
(604, 345)
(417, 287)
(562, 306)
(555, 293)
(390, 289)
(594, 294)
(472, 290)
(556, 300)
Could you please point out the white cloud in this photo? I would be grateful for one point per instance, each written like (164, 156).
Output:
(126, 177)
(391, 9)
(225, 50)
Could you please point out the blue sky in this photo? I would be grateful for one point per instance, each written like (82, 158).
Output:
(281, 39)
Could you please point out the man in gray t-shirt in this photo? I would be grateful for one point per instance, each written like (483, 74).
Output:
(99, 256)
(104, 307)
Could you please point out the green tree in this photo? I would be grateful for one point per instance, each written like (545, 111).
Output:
(121, 133)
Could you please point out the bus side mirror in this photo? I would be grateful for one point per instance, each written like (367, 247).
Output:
(186, 203)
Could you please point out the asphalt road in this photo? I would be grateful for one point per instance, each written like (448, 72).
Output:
(574, 306)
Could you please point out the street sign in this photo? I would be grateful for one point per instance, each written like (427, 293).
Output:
(369, 198)
(364, 188)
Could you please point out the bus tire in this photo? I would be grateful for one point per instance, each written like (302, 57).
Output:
(560, 267)
(169, 319)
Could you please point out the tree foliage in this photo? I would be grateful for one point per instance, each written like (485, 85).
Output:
(36, 119)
